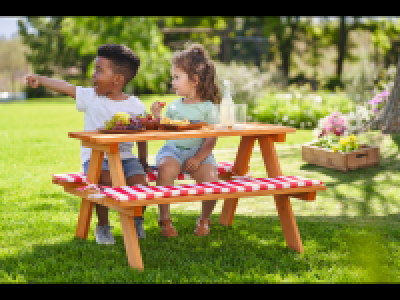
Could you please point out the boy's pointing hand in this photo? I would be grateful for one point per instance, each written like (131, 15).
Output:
(32, 80)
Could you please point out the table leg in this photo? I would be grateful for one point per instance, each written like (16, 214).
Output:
(282, 202)
(86, 209)
(127, 224)
(240, 168)
(131, 241)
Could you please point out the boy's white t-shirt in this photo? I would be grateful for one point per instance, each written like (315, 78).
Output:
(99, 109)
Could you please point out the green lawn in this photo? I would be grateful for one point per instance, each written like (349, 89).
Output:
(350, 233)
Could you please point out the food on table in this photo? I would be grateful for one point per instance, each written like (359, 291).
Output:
(166, 120)
(122, 121)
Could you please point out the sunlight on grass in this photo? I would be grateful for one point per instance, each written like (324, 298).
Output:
(350, 233)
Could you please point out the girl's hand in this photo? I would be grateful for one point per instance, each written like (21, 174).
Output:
(156, 109)
(33, 80)
(192, 164)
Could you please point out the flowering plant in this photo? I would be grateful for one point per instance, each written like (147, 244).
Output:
(333, 131)
(379, 101)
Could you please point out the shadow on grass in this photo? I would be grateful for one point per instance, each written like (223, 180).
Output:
(365, 180)
(252, 250)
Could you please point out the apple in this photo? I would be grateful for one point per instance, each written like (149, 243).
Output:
(162, 104)
(149, 117)
(143, 120)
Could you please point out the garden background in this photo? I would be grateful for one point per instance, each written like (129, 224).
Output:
(289, 70)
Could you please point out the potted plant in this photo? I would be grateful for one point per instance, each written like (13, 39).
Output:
(336, 145)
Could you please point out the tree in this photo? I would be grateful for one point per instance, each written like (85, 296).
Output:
(50, 54)
(384, 33)
(141, 34)
(286, 31)
(389, 118)
(13, 62)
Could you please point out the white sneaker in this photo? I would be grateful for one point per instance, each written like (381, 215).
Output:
(104, 235)
(139, 227)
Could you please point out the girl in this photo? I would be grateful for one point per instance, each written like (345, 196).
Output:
(194, 79)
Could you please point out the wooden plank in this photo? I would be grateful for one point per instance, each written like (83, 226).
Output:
(95, 164)
(282, 202)
(278, 138)
(252, 129)
(112, 148)
(292, 192)
(269, 155)
(240, 168)
(288, 223)
(85, 214)
(364, 157)
(131, 242)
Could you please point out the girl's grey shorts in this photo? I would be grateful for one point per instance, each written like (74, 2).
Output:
(182, 155)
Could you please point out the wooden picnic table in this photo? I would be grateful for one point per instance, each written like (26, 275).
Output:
(266, 135)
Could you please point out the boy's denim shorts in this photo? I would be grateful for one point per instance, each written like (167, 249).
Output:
(131, 166)
(182, 155)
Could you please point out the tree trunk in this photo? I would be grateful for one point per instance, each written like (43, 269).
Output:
(287, 47)
(389, 119)
(341, 46)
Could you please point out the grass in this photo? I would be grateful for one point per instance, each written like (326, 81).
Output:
(350, 233)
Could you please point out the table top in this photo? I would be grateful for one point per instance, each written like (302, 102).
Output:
(251, 129)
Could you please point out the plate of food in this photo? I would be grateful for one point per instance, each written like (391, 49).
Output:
(184, 124)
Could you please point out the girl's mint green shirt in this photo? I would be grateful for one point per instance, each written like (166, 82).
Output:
(202, 111)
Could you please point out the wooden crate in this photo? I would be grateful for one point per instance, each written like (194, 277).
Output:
(366, 156)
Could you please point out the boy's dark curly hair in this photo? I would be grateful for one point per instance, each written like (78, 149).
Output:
(124, 60)
(196, 61)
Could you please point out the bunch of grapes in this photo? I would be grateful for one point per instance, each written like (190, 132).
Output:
(122, 121)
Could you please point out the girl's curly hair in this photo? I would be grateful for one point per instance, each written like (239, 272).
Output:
(196, 61)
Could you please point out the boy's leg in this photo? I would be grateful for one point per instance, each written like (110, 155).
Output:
(135, 180)
(101, 210)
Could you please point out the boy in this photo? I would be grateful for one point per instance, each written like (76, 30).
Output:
(115, 66)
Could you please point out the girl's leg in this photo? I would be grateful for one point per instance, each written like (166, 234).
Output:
(168, 169)
(206, 173)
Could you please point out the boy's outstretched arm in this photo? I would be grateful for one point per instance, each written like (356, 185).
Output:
(56, 85)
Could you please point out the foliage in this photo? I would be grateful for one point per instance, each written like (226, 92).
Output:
(285, 31)
(248, 83)
(333, 83)
(13, 62)
(211, 42)
(299, 108)
(141, 34)
(49, 53)
(360, 85)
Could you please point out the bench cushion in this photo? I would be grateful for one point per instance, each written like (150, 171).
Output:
(223, 167)
(244, 184)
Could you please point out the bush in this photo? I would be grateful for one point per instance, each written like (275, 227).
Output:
(248, 83)
(301, 111)
(360, 86)
(333, 83)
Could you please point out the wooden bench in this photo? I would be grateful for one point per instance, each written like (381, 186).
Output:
(125, 199)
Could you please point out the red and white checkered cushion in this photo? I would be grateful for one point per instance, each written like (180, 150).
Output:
(71, 177)
(223, 167)
(244, 184)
